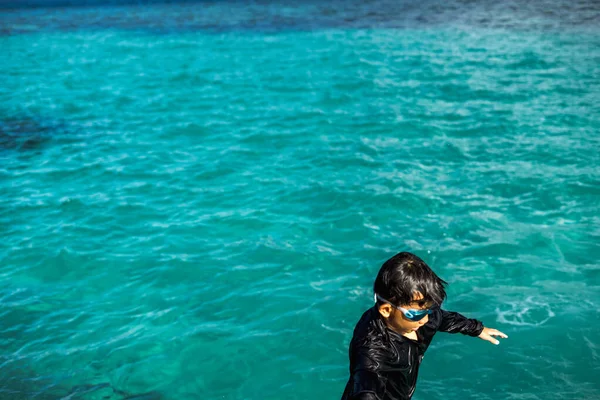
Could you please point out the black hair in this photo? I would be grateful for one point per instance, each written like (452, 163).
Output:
(403, 275)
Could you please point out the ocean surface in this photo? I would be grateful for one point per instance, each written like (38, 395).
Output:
(195, 197)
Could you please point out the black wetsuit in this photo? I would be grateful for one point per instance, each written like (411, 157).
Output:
(384, 364)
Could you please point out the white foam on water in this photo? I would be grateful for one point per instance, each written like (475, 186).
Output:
(528, 312)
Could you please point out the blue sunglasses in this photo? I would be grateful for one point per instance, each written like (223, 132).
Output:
(410, 314)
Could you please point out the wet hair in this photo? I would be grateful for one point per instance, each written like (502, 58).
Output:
(403, 275)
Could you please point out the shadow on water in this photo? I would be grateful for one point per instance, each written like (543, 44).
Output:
(106, 391)
(25, 134)
(24, 384)
(19, 380)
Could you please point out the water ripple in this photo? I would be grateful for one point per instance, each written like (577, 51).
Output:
(181, 209)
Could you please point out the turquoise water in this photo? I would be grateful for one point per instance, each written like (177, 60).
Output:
(195, 199)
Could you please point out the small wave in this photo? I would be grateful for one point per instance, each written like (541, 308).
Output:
(529, 312)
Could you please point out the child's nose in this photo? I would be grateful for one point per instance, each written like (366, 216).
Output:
(424, 320)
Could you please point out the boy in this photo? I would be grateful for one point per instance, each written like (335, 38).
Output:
(390, 339)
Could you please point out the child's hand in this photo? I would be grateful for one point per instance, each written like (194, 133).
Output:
(487, 334)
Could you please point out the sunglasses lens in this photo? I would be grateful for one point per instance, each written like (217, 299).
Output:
(416, 315)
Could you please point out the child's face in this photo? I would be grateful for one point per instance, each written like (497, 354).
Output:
(396, 319)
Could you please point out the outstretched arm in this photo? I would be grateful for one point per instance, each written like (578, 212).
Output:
(453, 322)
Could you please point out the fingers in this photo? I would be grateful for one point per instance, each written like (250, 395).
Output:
(489, 332)
(495, 332)
(487, 337)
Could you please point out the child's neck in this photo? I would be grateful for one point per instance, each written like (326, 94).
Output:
(411, 335)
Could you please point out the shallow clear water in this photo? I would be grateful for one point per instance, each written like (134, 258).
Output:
(196, 197)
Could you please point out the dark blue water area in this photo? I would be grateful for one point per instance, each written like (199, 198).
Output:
(25, 133)
(180, 16)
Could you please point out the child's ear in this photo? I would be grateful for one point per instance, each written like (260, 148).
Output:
(385, 310)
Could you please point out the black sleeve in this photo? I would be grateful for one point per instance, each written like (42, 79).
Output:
(367, 384)
(365, 396)
(453, 322)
